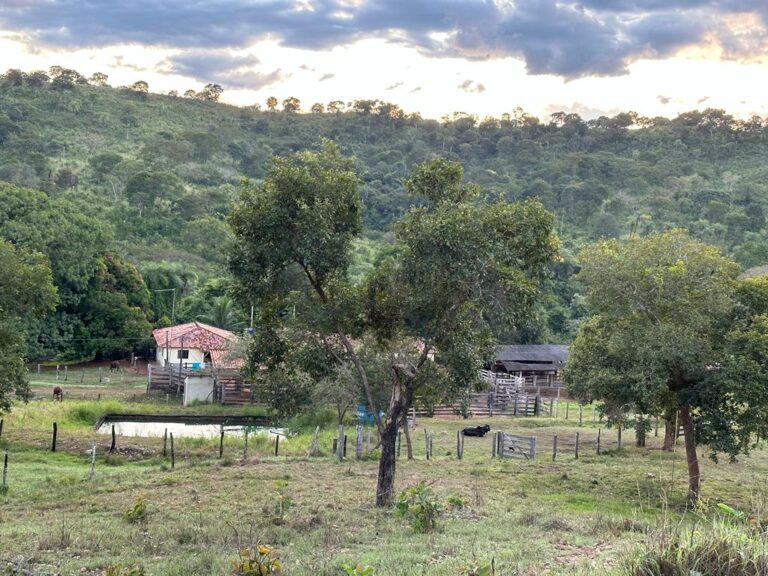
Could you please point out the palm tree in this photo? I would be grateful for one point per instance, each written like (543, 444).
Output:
(223, 314)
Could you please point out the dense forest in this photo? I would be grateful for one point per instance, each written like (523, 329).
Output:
(127, 191)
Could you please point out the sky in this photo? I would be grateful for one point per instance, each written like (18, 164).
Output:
(592, 57)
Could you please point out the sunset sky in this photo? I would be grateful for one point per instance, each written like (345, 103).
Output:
(657, 57)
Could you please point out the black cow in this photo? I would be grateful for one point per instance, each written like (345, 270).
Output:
(479, 431)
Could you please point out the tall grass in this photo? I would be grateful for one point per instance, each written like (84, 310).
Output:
(717, 547)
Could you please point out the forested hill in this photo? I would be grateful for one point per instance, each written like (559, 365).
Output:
(157, 174)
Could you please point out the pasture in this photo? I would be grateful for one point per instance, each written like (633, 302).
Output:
(138, 515)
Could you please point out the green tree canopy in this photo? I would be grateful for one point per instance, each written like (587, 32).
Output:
(664, 333)
(457, 263)
(26, 289)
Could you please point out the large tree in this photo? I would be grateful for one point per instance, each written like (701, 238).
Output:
(26, 289)
(458, 263)
(667, 333)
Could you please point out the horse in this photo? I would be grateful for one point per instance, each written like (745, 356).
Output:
(479, 431)
(58, 393)
(114, 366)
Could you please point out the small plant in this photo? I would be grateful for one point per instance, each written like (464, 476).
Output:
(420, 507)
(282, 500)
(138, 512)
(478, 569)
(456, 502)
(358, 570)
(120, 570)
(257, 561)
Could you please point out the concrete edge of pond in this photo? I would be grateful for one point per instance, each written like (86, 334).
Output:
(186, 419)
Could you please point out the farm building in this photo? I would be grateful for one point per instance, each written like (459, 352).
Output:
(198, 361)
(191, 344)
(538, 364)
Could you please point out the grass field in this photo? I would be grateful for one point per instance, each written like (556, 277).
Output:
(531, 518)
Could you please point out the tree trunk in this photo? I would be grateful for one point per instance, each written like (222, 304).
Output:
(387, 463)
(669, 434)
(694, 483)
(398, 403)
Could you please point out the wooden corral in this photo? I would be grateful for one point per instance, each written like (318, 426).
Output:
(230, 387)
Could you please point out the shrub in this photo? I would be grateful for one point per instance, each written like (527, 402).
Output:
(358, 570)
(420, 507)
(257, 561)
(138, 512)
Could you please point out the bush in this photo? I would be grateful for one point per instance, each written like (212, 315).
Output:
(420, 507)
(257, 561)
(138, 512)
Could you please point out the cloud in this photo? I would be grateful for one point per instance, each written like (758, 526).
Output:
(664, 99)
(325, 77)
(231, 71)
(568, 38)
(471, 86)
(417, 89)
(394, 86)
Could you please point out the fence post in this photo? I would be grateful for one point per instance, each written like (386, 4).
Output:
(66, 372)
(598, 440)
(458, 444)
(581, 412)
(340, 444)
(245, 445)
(38, 368)
(515, 405)
(532, 454)
(57, 372)
(82, 376)
(554, 448)
(426, 441)
(576, 452)
(277, 444)
(567, 406)
(114, 440)
(173, 454)
(1, 428)
(92, 473)
(221, 441)
(314, 448)
(5, 469)
(100, 379)
(55, 434)
(551, 407)
(358, 442)
(619, 436)
(495, 441)
(165, 443)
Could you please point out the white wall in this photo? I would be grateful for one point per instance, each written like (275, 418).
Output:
(195, 355)
(198, 388)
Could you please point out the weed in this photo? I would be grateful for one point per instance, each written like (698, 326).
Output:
(120, 570)
(257, 561)
(456, 502)
(137, 513)
(479, 569)
(283, 500)
(358, 570)
(420, 507)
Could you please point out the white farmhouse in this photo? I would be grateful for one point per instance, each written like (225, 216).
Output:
(192, 345)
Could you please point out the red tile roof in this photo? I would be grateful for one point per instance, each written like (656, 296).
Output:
(195, 335)
(225, 359)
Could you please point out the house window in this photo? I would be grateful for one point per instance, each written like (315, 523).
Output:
(182, 354)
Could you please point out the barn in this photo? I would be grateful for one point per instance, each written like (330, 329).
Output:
(538, 364)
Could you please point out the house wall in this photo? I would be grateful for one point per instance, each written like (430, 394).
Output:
(195, 355)
(198, 388)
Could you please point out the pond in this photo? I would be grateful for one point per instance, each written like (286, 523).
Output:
(149, 425)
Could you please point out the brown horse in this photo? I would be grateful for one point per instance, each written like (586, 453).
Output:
(114, 366)
(58, 393)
